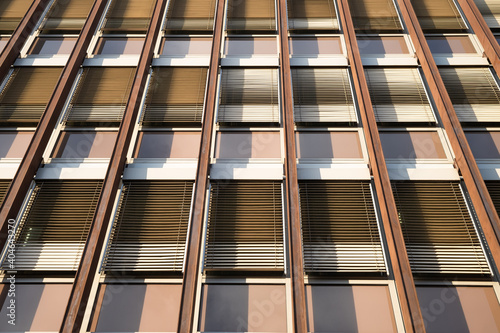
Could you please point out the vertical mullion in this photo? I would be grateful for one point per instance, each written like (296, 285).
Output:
(194, 238)
(482, 31)
(90, 259)
(20, 35)
(33, 156)
(464, 159)
(291, 180)
(405, 285)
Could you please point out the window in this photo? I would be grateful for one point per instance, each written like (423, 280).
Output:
(312, 15)
(119, 46)
(137, 308)
(152, 144)
(42, 306)
(322, 95)
(245, 227)
(459, 309)
(128, 16)
(3, 42)
(52, 46)
(175, 95)
(247, 144)
(249, 95)
(27, 92)
(492, 185)
(182, 47)
(339, 228)
(314, 46)
(251, 46)
(374, 15)
(67, 16)
(439, 233)
(185, 16)
(251, 16)
(4, 187)
(382, 45)
(412, 145)
(101, 96)
(490, 10)
(54, 227)
(473, 92)
(450, 44)
(484, 144)
(73, 144)
(354, 308)
(14, 144)
(316, 144)
(11, 13)
(398, 95)
(438, 15)
(149, 232)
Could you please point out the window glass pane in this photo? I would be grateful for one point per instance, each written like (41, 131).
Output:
(186, 46)
(411, 145)
(39, 307)
(14, 144)
(168, 145)
(315, 46)
(243, 308)
(459, 309)
(248, 145)
(349, 309)
(85, 145)
(484, 144)
(382, 45)
(49, 46)
(119, 46)
(450, 44)
(328, 145)
(3, 42)
(250, 46)
(139, 308)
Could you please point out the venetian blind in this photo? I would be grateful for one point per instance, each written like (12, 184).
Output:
(491, 12)
(26, 94)
(4, 187)
(175, 95)
(101, 95)
(322, 95)
(150, 228)
(473, 92)
(339, 227)
(245, 226)
(398, 95)
(494, 190)
(376, 15)
(439, 233)
(312, 15)
(255, 15)
(67, 15)
(191, 15)
(53, 229)
(249, 95)
(129, 16)
(438, 15)
(11, 13)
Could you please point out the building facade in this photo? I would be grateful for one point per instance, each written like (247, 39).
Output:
(250, 166)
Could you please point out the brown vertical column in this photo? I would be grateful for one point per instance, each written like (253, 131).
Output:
(192, 260)
(482, 31)
(486, 213)
(90, 258)
(403, 278)
(33, 157)
(22, 32)
(292, 185)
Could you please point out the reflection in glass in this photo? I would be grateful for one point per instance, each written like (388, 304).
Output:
(382, 45)
(119, 46)
(328, 145)
(412, 145)
(14, 144)
(186, 46)
(450, 44)
(312, 46)
(85, 145)
(51, 46)
(168, 145)
(251, 46)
